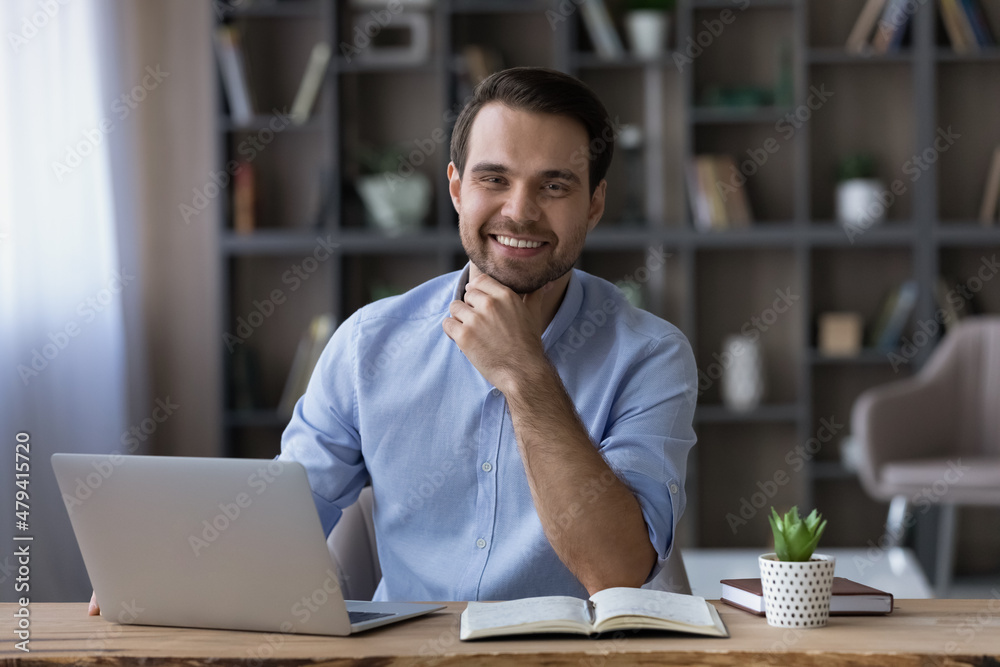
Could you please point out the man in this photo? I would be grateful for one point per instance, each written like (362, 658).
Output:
(525, 429)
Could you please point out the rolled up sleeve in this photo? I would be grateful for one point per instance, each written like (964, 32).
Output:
(650, 433)
(323, 435)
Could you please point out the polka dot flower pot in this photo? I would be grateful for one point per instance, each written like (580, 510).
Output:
(797, 595)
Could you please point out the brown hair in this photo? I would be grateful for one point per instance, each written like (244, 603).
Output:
(541, 90)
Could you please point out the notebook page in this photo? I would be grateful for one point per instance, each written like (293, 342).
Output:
(687, 609)
(485, 615)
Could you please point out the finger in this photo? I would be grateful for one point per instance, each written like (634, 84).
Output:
(450, 326)
(487, 284)
(460, 311)
(476, 298)
(93, 610)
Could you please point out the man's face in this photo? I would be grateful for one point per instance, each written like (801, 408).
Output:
(524, 207)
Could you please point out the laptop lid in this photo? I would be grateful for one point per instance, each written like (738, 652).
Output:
(203, 542)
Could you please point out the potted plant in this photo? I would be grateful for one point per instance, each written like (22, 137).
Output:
(396, 195)
(858, 191)
(647, 23)
(797, 583)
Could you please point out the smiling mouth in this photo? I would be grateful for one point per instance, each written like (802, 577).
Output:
(512, 242)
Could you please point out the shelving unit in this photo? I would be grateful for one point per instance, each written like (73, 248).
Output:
(712, 284)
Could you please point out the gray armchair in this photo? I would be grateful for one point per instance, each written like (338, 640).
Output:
(934, 439)
(352, 545)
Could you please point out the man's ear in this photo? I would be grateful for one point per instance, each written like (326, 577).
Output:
(455, 187)
(597, 204)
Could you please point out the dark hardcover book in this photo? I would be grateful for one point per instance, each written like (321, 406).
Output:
(849, 598)
(980, 28)
(904, 306)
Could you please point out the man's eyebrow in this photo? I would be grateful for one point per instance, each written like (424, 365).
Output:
(564, 174)
(495, 167)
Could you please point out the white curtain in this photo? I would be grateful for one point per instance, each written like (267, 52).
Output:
(65, 275)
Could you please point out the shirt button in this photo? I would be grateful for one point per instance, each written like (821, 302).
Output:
(481, 543)
(674, 488)
(495, 392)
(487, 467)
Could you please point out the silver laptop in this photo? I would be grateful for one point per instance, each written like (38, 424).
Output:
(233, 544)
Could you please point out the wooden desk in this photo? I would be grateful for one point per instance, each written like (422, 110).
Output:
(919, 632)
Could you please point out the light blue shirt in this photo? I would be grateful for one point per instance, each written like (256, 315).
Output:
(394, 399)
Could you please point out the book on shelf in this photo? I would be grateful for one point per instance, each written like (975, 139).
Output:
(475, 63)
(307, 354)
(600, 27)
(481, 60)
(848, 598)
(950, 304)
(895, 313)
(607, 610)
(244, 198)
(892, 26)
(716, 202)
(235, 80)
(954, 27)
(312, 82)
(977, 22)
(991, 192)
(966, 25)
(864, 26)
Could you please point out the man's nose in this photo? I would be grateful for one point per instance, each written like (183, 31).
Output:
(521, 205)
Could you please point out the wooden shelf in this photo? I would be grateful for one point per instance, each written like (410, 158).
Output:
(890, 105)
(986, 55)
(834, 56)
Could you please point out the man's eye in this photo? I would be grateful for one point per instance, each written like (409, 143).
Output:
(555, 187)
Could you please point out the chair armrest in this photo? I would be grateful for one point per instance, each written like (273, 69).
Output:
(907, 419)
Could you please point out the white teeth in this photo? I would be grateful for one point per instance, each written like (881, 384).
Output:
(517, 243)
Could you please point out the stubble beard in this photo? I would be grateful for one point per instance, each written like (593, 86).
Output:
(561, 258)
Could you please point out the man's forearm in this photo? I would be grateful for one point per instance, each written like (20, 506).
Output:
(592, 520)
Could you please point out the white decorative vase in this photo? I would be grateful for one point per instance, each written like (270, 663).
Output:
(858, 204)
(647, 32)
(395, 204)
(797, 595)
(743, 373)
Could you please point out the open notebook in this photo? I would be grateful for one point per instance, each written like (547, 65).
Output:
(607, 610)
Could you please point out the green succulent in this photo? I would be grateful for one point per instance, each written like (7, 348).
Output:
(859, 165)
(795, 539)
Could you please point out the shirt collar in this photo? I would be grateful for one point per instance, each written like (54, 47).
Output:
(564, 316)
